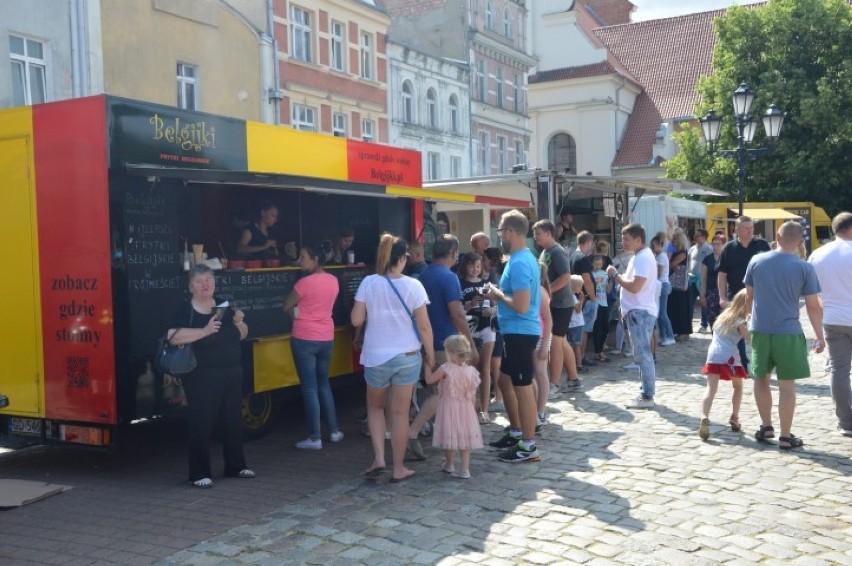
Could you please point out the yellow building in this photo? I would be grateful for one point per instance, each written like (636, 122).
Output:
(193, 54)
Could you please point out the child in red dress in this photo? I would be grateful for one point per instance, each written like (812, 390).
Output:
(723, 361)
(456, 425)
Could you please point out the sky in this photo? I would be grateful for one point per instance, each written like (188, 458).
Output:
(654, 9)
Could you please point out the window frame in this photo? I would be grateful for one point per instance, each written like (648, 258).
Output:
(570, 152)
(484, 157)
(185, 82)
(502, 154)
(455, 167)
(340, 132)
(301, 34)
(364, 137)
(455, 115)
(520, 152)
(407, 108)
(482, 80)
(489, 15)
(507, 23)
(299, 122)
(433, 165)
(432, 108)
(365, 50)
(337, 42)
(500, 87)
(26, 63)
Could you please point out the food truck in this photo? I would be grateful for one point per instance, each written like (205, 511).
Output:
(106, 198)
(768, 217)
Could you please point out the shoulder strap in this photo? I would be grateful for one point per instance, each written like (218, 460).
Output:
(407, 310)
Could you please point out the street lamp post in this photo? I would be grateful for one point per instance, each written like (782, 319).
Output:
(711, 126)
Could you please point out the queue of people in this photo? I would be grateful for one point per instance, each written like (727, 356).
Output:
(523, 324)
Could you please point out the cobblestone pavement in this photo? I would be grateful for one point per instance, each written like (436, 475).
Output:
(613, 487)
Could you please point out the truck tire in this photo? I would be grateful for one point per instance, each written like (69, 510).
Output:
(260, 413)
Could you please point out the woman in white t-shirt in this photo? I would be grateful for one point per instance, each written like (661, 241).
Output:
(393, 307)
(663, 322)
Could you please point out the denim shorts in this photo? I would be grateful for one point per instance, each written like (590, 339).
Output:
(575, 335)
(590, 314)
(402, 369)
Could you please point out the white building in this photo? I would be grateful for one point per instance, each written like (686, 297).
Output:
(429, 110)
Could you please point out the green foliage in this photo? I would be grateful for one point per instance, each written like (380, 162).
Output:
(798, 55)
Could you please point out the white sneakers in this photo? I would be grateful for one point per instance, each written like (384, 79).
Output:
(316, 444)
(668, 342)
(640, 403)
(631, 366)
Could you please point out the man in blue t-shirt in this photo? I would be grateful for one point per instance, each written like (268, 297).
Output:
(447, 316)
(518, 300)
(774, 281)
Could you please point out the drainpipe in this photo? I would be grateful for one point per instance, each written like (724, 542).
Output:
(274, 94)
(617, 106)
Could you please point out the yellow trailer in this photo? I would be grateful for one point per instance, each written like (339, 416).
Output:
(768, 216)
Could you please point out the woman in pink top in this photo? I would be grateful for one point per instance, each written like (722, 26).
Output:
(309, 306)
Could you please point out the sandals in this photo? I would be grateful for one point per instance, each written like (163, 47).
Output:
(484, 419)
(704, 429)
(735, 424)
(790, 442)
(601, 358)
(765, 432)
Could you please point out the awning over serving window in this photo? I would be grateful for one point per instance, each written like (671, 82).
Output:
(766, 213)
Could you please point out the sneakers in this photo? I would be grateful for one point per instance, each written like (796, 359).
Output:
(309, 444)
(640, 403)
(704, 429)
(336, 436)
(703, 330)
(590, 362)
(361, 419)
(505, 441)
(554, 392)
(520, 453)
(631, 366)
(668, 342)
(573, 384)
(844, 431)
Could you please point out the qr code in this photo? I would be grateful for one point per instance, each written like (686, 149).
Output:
(78, 372)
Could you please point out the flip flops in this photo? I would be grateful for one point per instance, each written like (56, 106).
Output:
(402, 479)
(375, 472)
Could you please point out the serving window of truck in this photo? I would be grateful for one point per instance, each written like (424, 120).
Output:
(104, 198)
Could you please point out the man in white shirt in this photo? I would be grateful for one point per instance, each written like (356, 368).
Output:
(833, 265)
(639, 308)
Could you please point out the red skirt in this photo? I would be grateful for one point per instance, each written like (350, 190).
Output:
(725, 371)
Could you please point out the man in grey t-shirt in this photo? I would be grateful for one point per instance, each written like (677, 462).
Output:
(774, 281)
(562, 303)
(696, 255)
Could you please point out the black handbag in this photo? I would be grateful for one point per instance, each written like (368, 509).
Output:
(174, 360)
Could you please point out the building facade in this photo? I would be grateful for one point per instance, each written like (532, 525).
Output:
(333, 66)
(429, 108)
(491, 36)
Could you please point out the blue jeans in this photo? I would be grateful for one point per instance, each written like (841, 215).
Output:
(313, 359)
(666, 332)
(641, 325)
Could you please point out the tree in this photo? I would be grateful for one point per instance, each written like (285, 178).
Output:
(798, 55)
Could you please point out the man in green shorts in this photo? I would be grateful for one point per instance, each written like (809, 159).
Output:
(774, 282)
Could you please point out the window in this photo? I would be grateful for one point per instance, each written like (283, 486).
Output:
(29, 85)
(367, 130)
(300, 33)
(484, 151)
(366, 56)
(432, 107)
(489, 16)
(455, 167)
(507, 23)
(338, 43)
(454, 113)
(520, 157)
(481, 83)
(338, 124)
(434, 165)
(502, 155)
(562, 154)
(516, 94)
(187, 86)
(407, 102)
(304, 118)
(500, 88)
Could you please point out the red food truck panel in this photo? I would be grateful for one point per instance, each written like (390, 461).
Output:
(74, 260)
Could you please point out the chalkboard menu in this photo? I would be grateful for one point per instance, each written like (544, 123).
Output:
(260, 295)
(152, 257)
(350, 278)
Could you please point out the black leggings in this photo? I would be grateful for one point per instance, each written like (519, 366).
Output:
(601, 329)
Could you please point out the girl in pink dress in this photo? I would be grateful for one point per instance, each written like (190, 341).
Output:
(456, 426)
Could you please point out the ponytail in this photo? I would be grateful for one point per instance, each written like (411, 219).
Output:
(384, 254)
(391, 250)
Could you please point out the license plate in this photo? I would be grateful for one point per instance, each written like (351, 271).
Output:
(18, 425)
